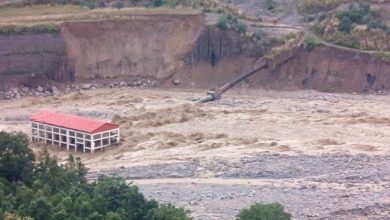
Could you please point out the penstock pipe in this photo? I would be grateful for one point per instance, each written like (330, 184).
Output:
(215, 95)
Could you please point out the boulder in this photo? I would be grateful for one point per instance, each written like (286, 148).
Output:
(176, 81)
(122, 84)
(40, 89)
(86, 86)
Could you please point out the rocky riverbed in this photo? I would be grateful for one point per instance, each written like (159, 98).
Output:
(310, 187)
(46, 90)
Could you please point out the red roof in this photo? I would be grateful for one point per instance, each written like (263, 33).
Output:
(73, 122)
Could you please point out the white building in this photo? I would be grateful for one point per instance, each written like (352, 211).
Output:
(73, 132)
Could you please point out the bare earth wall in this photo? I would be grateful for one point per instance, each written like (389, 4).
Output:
(168, 47)
(328, 70)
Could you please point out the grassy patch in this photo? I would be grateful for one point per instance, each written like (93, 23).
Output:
(96, 14)
(34, 29)
(40, 10)
(382, 56)
(314, 6)
(312, 43)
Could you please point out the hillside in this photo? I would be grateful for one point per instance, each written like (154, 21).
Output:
(310, 130)
(73, 44)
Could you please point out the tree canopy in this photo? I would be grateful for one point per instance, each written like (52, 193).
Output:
(41, 188)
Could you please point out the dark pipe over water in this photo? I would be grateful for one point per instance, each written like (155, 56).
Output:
(215, 95)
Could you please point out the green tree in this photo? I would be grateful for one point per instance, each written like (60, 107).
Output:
(158, 3)
(41, 208)
(240, 27)
(113, 216)
(118, 194)
(169, 212)
(61, 192)
(259, 35)
(223, 22)
(345, 24)
(16, 158)
(257, 211)
(270, 5)
(96, 216)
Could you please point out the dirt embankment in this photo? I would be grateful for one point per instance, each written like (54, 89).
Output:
(33, 56)
(151, 46)
(178, 48)
(328, 70)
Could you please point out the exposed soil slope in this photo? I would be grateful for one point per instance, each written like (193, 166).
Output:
(141, 46)
(176, 47)
(33, 56)
(329, 70)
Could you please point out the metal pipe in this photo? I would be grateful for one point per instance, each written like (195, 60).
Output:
(215, 95)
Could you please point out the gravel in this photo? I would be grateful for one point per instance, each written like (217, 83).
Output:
(50, 90)
(329, 186)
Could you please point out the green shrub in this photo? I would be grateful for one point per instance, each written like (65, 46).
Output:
(345, 24)
(258, 211)
(259, 35)
(158, 3)
(377, 24)
(322, 17)
(172, 3)
(91, 5)
(16, 159)
(119, 4)
(315, 6)
(348, 43)
(362, 15)
(223, 22)
(35, 29)
(227, 21)
(169, 212)
(318, 29)
(270, 5)
(240, 27)
(312, 43)
(102, 4)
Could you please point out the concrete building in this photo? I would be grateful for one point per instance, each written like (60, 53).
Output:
(73, 132)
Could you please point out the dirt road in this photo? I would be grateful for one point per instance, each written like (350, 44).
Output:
(320, 155)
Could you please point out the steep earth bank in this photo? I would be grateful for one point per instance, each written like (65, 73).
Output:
(151, 46)
(328, 70)
(25, 59)
(178, 48)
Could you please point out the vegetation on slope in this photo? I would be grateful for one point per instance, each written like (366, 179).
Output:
(32, 29)
(314, 6)
(358, 26)
(43, 189)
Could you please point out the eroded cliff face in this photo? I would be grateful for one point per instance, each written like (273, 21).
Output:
(149, 46)
(328, 70)
(25, 58)
(177, 48)
(152, 46)
(217, 56)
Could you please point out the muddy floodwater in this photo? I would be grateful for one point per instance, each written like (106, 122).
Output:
(323, 156)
